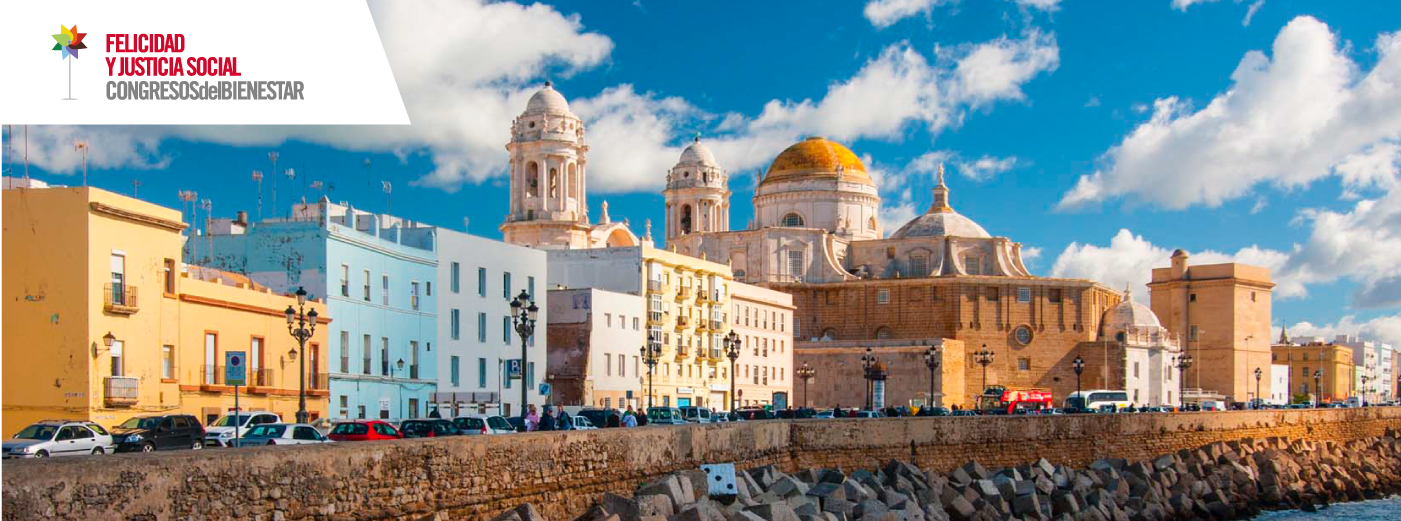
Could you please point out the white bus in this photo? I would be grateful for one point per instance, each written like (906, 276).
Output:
(1097, 400)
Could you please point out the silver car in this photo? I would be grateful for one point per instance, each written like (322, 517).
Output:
(282, 434)
(59, 438)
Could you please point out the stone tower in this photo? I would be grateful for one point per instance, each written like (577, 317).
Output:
(697, 194)
(548, 160)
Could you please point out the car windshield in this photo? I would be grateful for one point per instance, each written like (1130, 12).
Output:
(469, 423)
(499, 423)
(230, 421)
(37, 432)
(140, 423)
(661, 414)
(350, 428)
(267, 431)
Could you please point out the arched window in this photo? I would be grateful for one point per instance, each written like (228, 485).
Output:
(829, 334)
(1121, 336)
(871, 223)
(792, 220)
(573, 180)
(686, 219)
(882, 332)
(554, 184)
(532, 179)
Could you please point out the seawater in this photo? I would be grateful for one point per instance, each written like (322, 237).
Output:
(1375, 510)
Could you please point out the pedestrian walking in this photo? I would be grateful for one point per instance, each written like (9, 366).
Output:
(564, 423)
(547, 422)
(532, 419)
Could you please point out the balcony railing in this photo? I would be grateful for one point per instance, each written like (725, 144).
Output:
(682, 351)
(211, 375)
(654, 317)
(654, 285)
(120, 298)
(413, 372)
(683, 321)
(701, 295)
(714, 324)
(260, 378)
(321, 381)
(683, 293)
(119, 391)
(715, 354)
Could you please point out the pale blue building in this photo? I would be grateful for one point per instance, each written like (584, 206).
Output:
(379, 276)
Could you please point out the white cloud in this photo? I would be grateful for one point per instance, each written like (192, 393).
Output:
(1285, 120)
(1363, 245)
(1182, 5)
(1250, 12)
(1373, 167)
(1381, 329)
(52, 148)
(1031, 255)
(1260, 204)
(1044, 5)
(985, 167)
(884, 13)
(1092, 102)
(629, 136)
(997, 69)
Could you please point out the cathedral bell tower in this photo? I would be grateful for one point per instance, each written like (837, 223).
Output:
(548, 162)
(697, 194)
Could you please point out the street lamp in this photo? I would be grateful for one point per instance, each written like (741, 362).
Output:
(868, 362)
(1183, 362)
(1258, 374)
(1079, 365)
(931, 360)
(301, 324)
(1317, 389)
(732, 345)
(1365, 378)
(806, 372)
(651, 353)
(984, 358)
(523, 312)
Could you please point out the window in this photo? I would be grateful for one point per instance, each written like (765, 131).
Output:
(413, 296)
(1023, 335)
(345, 351)
(345, 280)
(883, 296)
(1192, 297)
(365, 353)
(455, 324)
(608, 364)
(506, 285)
(413, 407)
(367, 285)
(170, 278)
(345, 406)
(1023, 295)
(506, 329)
(481, 327)
(167, 362)
(428, 288)
(994, 294)
(919, 265)
(608, 320)
(211, 353)
(481, 282)
(1305, 371)
(455, 276)
(530, 376)
(118, 279)
(481, 373)
(795, 263)
(635, 324)
(413, 359)
(1135, 369)
(1252, 296)
(881, 333)
(792, 219)
(384, 290)
(1054, 295)
(384, 356)
(622, 365)
(1023, 364)
(530, 287)
(1192, 333)
(255, 356)
(360, 411)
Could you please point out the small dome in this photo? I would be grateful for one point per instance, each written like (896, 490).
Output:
(1130, 314)
(938, 224)
(547, 100)
(817, 157)
(698, 153)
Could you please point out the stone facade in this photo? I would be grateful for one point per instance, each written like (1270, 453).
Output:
(839, 379)
(595, 338)
(476, 477)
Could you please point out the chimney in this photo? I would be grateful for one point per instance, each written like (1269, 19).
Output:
(241, 218)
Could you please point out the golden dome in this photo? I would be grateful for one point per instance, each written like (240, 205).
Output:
(817, 157)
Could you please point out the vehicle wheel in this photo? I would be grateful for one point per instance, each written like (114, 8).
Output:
(149, 447)
(41, 454)
(197, 445)
(97, 451)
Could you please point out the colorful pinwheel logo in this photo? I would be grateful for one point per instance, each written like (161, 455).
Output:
(70, 41)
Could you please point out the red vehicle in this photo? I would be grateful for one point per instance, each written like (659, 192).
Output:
(368, 430)
(1000, 400)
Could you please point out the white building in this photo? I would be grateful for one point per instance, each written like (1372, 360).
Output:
(595, 339)
(1373, 373)
(478, 279)
(1279, 384)
(1149, 352)
(764, 370)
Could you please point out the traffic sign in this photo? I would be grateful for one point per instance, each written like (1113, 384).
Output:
(513, 369)
(235, 370)
(545, 389)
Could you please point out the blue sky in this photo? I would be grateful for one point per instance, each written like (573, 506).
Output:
(1100, 134)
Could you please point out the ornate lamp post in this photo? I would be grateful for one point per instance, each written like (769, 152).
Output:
(868, 363)
(931, 360)
(1183, 362)
(984, 358)
(732, 345)
(651, 353)
(806, 372)
(1317, 388)
(1079, 365)
(1258, 400)
(1365, 378)
(301, 324)
(523, 312)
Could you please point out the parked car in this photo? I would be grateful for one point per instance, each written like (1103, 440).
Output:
(59, 438)
(159, 432)
(484, 424)
(364, 430)
(827, 415)
(282, 434)
(933, 411)
(963, 412)
(868, 414)
(797, 414)
(221, 432)
(665, 416)
(430, 428)
(755, 413)
(582, 423)
(695, 414)
(599, 417)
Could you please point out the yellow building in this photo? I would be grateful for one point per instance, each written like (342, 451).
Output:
(1306, 359)
(687, 313)
(93, 310)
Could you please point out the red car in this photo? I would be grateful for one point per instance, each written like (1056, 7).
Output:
(369, 430)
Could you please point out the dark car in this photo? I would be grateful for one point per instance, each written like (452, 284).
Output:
(932, 411)
(161, 432)
(797, 414)
(430, 428)
(599, 417)
(755, 414)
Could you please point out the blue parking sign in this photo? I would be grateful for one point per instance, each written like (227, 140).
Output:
(235, 368)
(545, 389)
(513, 369)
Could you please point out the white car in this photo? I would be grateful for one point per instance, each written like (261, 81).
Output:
(484, 424)
(282, 434)
(582, 424)
(221, 433)
(59, 438)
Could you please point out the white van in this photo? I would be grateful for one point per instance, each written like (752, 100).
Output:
(1096, 400)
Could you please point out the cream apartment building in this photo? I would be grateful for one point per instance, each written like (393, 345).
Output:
(764, 371)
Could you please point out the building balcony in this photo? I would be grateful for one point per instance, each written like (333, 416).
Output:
(715, 354)
(717, 325)
(120, 299)
(683, 321)
(683, 293)
(682, 352)
(119, 391)
(702, 296)
(655, 285)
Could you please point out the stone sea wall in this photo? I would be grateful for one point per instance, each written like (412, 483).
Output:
(563, 474)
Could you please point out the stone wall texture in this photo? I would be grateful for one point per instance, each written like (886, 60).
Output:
(564, 473)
